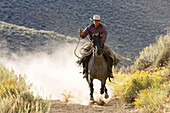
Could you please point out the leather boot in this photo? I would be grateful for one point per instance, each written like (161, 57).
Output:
(85, 72)
(85, 75)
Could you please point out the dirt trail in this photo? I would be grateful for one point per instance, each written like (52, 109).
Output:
(112, 106)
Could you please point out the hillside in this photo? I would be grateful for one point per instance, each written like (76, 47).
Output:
(23, 40)
(33, 29)
(20, 39)
(131, 24)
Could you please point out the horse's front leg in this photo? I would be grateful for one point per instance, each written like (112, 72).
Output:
(104, 89)
(103, 82)
(90, 82)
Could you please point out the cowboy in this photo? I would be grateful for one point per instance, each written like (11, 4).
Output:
(91, 30)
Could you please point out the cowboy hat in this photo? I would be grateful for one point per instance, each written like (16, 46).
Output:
(95, 17)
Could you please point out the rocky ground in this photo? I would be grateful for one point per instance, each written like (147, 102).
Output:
(112, 106)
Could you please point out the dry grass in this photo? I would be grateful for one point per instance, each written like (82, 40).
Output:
(66, 96)
(15, 94)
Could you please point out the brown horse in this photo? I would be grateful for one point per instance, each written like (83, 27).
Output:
(98, 67)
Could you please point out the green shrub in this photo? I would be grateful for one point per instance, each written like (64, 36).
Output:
(163, 58)
(128, 85)
(15, 94)
(155, 98)
(156, 54)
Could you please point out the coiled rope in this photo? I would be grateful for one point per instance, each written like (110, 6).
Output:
(76, 49)
(81, 51)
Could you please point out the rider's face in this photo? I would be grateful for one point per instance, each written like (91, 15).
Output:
(96, 23)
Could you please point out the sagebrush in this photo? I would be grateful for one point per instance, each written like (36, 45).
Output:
(15, 94)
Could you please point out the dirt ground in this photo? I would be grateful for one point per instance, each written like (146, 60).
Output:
(112, 106)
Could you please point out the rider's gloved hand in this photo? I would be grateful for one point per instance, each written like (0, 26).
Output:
(80, 32)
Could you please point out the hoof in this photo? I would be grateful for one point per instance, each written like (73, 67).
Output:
(106, 96)
(101, 91)
(91, 99)
(100, 102)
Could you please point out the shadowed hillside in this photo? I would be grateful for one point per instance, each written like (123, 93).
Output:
(19, 39)
(136, 28)
(132, 24)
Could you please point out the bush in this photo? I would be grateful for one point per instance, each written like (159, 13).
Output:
(15, 94)
(156, 54)
(163, 58)
(155, 98)
(129, 85)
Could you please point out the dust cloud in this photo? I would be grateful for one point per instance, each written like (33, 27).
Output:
(54, 74)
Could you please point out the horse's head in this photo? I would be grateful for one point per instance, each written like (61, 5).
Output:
(96, 41)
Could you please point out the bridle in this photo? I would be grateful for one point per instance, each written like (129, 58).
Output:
(96, 44)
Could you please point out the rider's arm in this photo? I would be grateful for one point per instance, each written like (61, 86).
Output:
(104, 35)
(85, 32)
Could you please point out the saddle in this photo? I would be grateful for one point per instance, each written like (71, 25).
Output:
(86, 51)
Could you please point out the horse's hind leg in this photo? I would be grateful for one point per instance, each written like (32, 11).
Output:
(91, 90)
(90, 82)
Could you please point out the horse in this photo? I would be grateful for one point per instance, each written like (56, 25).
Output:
(98, 67)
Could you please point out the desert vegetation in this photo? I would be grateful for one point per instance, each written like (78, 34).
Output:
(16, 96)
(155, 55)
(147, 82)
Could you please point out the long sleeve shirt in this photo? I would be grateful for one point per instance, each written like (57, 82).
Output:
(90, 30)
